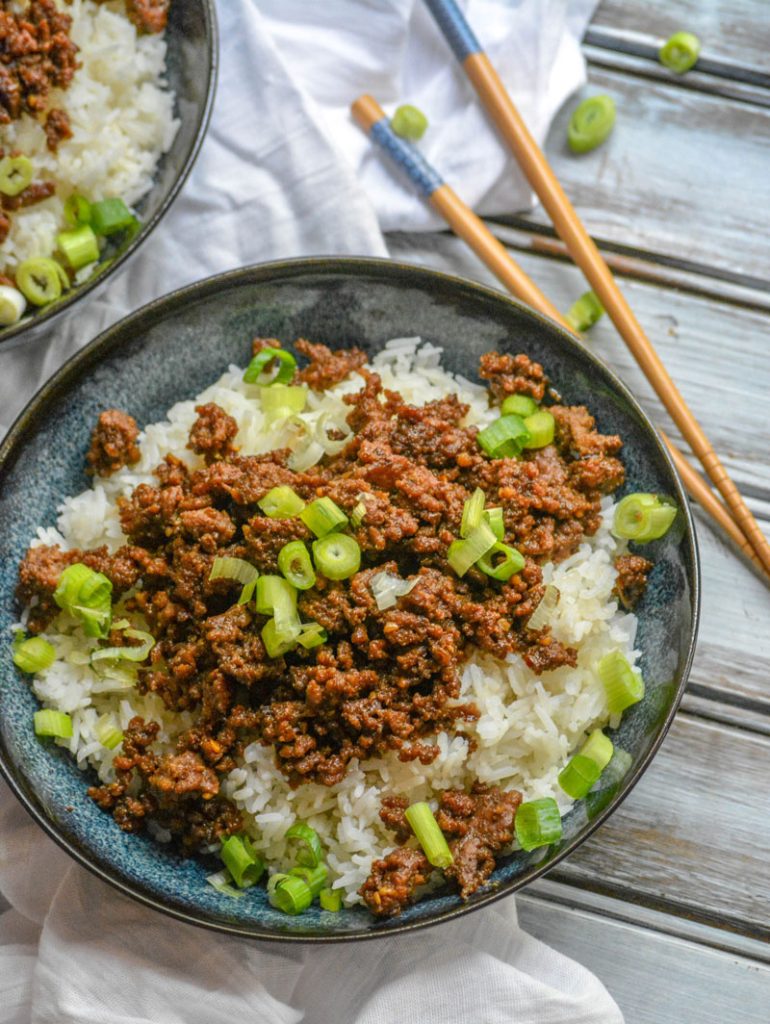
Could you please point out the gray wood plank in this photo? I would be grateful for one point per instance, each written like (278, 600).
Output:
(727, 387)
(683, 175)
(735, 34)
(655, 978)
(692, 837)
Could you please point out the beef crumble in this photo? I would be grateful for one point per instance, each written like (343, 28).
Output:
(384, 679)
(631, 582)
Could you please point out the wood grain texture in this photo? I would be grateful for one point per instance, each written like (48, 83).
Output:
(655, 978)
(735, 34)
(683, 174)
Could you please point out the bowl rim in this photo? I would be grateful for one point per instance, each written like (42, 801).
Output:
(355, 266)
(12, 336)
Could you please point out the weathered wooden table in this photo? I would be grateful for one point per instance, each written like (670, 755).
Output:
(669, 902)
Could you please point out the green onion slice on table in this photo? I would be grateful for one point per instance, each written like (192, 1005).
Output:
(52, 723)
(538, 823)
(337, 556)
(16, 173)
(429, 835)
(680, 52)
(260, 368)
(623, 685)
(642, 517)
(295, 563)
(591, 123)
(409, 122)
(585, 312)
(86, 595)
(34, 654)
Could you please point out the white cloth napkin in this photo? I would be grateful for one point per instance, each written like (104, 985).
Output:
(284, 173)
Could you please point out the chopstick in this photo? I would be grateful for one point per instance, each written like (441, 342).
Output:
(472, 230)
(584, 252)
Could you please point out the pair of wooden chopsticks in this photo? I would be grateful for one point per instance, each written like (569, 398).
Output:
(742, 529)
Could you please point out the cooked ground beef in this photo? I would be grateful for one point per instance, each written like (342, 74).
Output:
(57, 128)
(632, 579)
(384, 679)
(149, 16)
(30, 196)
(113, 443)
(36, 55)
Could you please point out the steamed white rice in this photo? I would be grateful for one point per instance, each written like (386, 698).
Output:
(122, 119)
(528, 726)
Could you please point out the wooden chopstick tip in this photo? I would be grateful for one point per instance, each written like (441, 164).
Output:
(366, 111)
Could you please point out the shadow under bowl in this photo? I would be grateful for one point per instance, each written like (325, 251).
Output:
(170, 351)
(191, 71)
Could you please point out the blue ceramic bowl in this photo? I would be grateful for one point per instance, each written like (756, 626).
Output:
(191, 63)
(171, 350)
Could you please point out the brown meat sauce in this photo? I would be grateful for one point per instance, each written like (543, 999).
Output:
(385, 680)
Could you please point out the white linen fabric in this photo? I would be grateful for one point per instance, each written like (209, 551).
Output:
(283, 172)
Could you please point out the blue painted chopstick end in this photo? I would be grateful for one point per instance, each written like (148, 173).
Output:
(422, 175)
(455, 28)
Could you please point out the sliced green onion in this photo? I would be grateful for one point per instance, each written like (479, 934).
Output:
(591, 123)
(322, 516)
(134, 653)
(53, 723)
(255, 371)
(504, 438)
(290, 894)
(281, 503)
(236, 569)
(622, 685)
(541, 427)
(220, 881)
(282, 400)
(409, 122)
(107, 732)
(548, 602)
(331, 900)
(87, 595)
(358, 515)
(462, 554)
(473, 511)
(680, 52)
(79, 246)
(599, 748)
(642, 518)
(538, 823)
(579, 776)
(312, 635)
(16, 172)
(278, 642)
(242, 860)
(494, 517)
(386, 589)
(12, 305)
(429, 835)
(295, 563)
(518, 405)
(501, 562)
(310, 852)
(315, 878)
(337, 556)
(77, 211)
(585, 312)
(274, 592)
(40, 281)
(34, 654)
(110, 216)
